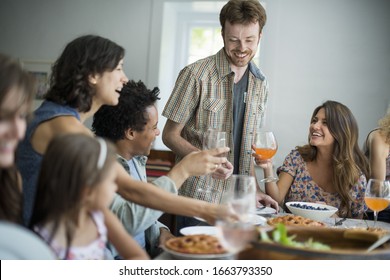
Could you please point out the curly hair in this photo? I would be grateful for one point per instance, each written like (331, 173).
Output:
(85, 56)
(349, 161)
(243, 12)
(111, 122)
(384, 127)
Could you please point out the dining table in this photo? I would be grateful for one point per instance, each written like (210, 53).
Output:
(332, 222)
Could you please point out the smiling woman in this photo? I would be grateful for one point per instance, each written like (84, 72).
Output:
(86, 75)
(330, 169)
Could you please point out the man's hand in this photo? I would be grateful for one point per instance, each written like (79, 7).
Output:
(165, 235)
(223, 171)
(204, 162)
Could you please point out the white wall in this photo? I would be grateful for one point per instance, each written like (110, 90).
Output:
(312, 50)
(319, 50)
(40, 29)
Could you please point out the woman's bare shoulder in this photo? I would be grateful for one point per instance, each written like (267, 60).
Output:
(378, 143)
(46, 131)
(68, 124)
(376, 137)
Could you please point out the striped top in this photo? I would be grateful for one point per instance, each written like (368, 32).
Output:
(203, 98)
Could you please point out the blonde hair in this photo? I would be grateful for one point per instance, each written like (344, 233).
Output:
(384, 127)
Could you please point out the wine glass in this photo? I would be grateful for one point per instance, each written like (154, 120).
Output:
(266, 147)
(240, 197)
(377, 196)
(212, 139)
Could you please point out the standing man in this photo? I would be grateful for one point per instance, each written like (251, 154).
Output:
(226, 92)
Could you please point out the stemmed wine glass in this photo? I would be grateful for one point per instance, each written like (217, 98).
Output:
(211, 140)
(377, 196)
(266, 147)
(240, 199)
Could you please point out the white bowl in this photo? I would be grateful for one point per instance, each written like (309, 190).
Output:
(318, 213)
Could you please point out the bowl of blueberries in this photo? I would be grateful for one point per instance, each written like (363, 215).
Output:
(310, 210)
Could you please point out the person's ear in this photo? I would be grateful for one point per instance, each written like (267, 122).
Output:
(93, 79)
(130, 134)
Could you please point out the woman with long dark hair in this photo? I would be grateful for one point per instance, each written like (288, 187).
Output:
(330, 169)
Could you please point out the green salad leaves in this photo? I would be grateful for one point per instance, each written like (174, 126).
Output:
(279, 235)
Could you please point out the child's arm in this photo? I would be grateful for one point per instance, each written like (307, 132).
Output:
(126, 246)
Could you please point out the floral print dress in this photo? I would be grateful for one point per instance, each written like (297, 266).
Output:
(305, 189)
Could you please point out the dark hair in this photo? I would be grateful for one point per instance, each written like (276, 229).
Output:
(112, 122)
(349, 161)
(69, 166)
(12, 76)
(85, 56)
(243, 12)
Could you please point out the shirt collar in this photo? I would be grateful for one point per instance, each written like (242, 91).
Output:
(124, 163)
(142, 159)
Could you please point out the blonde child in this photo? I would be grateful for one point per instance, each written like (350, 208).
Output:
(75, 188)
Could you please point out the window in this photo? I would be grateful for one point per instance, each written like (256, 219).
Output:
(204, 41)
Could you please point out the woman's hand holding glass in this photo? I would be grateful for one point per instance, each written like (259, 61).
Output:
(265, 147)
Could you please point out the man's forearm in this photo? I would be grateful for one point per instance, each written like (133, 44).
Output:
(179, 145)
(148, 195)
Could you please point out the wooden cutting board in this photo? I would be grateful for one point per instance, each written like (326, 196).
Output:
(345, 244)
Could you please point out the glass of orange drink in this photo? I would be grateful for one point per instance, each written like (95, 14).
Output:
(377, 196)
(266, 147)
